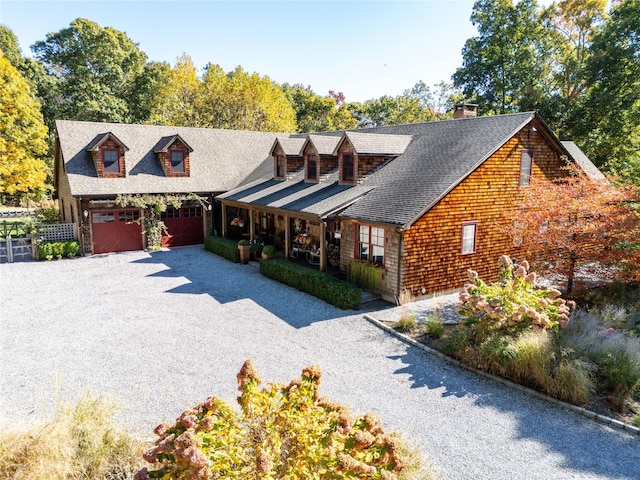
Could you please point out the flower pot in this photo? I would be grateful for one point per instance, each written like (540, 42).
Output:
(245, 252)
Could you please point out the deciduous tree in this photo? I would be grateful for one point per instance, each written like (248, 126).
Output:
(503, 68)
(319, 114)
(578, 220)
(23, 135)
(96, 68)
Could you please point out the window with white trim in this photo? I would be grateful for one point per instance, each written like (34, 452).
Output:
(370, 244)
(469, 230)
(526, 160)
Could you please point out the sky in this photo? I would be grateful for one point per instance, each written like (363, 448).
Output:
(365, 49)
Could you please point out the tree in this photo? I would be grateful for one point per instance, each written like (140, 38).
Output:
(577, 220)
(180, 95)
(10, 46)
(608, 122)
(572, 25)
(23, 135)
(319, 114)
(96, 68)
(503, 68)
(413, 106)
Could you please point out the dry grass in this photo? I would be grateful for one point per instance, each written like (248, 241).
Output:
(80, 443)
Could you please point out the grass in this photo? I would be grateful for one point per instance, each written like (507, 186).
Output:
(80, 443)
(407, 322)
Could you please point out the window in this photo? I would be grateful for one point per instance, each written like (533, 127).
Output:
(170, 213)
(280, 166)
(370, 244)
(192, 212)
(347, 167)
(102, 218)
(128, 217)
(312, 167)
(110, 161)
(469, 238)
(177, 161)
(526, 159)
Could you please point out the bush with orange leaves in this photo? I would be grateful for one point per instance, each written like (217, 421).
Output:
(282, 432)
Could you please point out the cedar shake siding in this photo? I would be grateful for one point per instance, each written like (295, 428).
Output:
(432, 256)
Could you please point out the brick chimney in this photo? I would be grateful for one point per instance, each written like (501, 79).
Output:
(465, 110)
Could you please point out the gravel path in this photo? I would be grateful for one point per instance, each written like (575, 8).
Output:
(160, 332)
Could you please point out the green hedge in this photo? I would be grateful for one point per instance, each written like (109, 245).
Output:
(336, 292)
(224, 247)
(51, 250)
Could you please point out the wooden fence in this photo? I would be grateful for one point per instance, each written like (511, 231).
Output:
(21, 245)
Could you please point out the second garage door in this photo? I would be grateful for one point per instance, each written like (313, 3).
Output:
(185, 226)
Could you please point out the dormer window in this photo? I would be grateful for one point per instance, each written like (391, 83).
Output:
(108, 155)
(110, 161)
(177, 161)
(348, 167)
(312, 167)
(280, 166)
(173, 153)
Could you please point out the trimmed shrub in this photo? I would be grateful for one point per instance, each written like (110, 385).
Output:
(269, 250)
(336, 292)
(280, 432)
(51, 250)
(224, 247)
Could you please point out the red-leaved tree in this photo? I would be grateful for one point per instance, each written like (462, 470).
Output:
(580, 221)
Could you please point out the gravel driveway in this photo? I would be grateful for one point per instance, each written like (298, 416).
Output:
(160, 332)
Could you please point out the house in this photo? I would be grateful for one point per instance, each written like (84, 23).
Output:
(419, 204)
(95, 162)
(422, 203)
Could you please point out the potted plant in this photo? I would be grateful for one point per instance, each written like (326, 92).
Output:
(245, 250)
(269, 251)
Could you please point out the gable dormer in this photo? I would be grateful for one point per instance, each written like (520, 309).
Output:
(319, 159)
(108, 154)
(359, 154)
(287, 159)
(173, 153)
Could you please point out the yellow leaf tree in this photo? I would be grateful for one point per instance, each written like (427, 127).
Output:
(23, 135)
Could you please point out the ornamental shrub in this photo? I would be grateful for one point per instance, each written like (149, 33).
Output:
(51, 250)
(281, 432)
(224, 247)
(513, 304)
(337, 292)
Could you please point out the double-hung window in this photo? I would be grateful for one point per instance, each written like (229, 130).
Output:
(348, 167)
(110, 161)
(312, 167)
(526, 160)
(177, 161)
(280, 166)
(370, 244)
(469, 230)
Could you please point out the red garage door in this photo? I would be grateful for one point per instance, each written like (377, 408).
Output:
(185, 226)
(116, 231)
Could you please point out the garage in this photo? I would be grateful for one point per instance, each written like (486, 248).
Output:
(184, 225)
(116, 231)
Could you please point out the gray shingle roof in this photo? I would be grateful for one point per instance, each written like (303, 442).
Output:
(583, 161)
(324, 144)
(290, 145)
(440, 156)
(220, 159)
(295, 195)
(377, 144)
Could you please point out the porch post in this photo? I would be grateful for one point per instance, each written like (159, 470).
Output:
(323, 249)
(224, 220)
(252, 227)
(287, 235)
